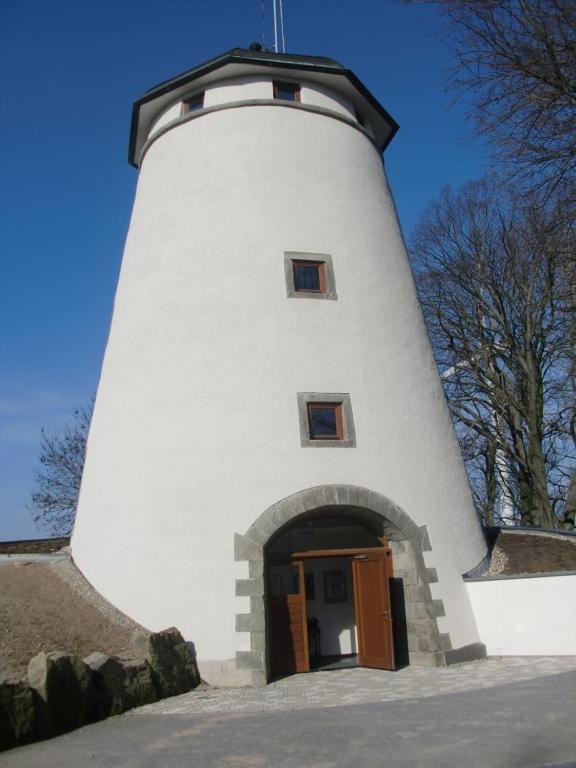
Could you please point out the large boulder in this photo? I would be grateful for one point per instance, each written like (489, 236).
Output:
(121, 683)
(172, 660)
(17, 721)
(64, 694)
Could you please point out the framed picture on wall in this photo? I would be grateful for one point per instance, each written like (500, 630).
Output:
(335, 587)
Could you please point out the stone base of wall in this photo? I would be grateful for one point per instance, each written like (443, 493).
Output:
(472, 652)
(229, 673)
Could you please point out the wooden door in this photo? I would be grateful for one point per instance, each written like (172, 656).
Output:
(287, 624)
(373, 611)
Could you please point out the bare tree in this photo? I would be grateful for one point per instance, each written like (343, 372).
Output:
(494, 276)
(517, 60)
(55, 497)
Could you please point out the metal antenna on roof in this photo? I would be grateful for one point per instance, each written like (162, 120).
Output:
(275, 27)
(282, 26)
(263, 11)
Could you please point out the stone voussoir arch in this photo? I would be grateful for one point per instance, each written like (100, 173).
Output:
(426, 645)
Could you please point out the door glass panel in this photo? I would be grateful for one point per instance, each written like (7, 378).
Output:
(307, 277)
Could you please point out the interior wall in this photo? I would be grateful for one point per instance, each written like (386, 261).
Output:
(337, 621)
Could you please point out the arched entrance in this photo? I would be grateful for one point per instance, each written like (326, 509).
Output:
(341, 515)
(327, 588)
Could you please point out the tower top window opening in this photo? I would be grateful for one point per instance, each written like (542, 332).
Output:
(309, 276)
(325, 421)
(286, 91)
(193, 103)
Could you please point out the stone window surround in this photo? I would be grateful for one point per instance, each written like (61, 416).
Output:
(329, 292)
(427, 646)
(349, 438)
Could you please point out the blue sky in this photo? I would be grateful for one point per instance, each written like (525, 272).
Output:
(69, 72)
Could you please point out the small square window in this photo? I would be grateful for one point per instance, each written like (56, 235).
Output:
(309, 275)
(286, 91)
(193, 103)
(325, 420)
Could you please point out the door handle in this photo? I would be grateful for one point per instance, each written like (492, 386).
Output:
(386, 614)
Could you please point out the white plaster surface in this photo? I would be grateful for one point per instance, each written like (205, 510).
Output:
(238, 89)
(311, 93)
(172, 113)
(526, 616)
(246, 88)
(195, 430)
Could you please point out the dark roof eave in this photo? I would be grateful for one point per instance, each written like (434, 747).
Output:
(237, 55)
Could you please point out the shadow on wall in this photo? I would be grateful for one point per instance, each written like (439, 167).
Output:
(399, 625)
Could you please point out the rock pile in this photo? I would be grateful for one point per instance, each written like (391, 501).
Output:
(64, 692)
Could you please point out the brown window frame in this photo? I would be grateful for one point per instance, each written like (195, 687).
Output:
(337, 406)
(321, 274)
(198, 97)
(293, 87)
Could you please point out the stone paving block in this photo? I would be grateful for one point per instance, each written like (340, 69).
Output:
(257, 605)
(358, 686)
(250, 659)
(249, 587)
(247, 622)
(257, 641)
(416, 594)
(256, 569)
(247, 549)
(417, 610)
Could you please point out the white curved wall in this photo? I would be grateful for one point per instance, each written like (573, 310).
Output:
(238, 89)
(172, 113)
(526, 616)
(321, 97)
(195, 430)
(247, 88)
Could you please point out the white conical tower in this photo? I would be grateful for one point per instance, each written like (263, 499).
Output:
(268, 367)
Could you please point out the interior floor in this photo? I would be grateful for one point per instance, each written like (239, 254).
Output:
(328, 663)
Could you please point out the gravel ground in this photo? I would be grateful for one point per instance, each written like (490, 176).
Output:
(50, 606)
(36, 546)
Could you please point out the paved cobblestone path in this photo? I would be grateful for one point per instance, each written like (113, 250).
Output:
(499, 713)
(361, 686)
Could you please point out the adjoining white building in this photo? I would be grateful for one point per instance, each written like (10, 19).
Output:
(271, 465)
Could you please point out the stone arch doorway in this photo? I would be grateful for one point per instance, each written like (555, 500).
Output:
(422, 643)
(328, 575)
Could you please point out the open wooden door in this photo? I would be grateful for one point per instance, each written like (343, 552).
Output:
(287, 623)
(373, 611)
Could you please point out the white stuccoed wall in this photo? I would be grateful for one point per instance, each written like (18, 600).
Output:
(195, 430)
(245, 88)
(526, 616)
